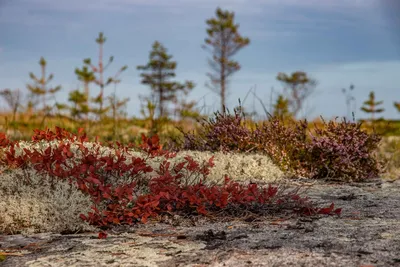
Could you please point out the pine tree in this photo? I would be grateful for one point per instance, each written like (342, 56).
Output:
(80, 107)
(40, 88)
(86, 77)
(223, 42)
(370, 105)
(99, 69)
(281, 107)
(157, 74)
(297, 86)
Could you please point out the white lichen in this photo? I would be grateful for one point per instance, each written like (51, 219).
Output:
(40, 205)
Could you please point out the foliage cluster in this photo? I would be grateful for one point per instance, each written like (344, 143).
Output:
(127, 203)
(338, 150)
(344, 150)
(222, 133)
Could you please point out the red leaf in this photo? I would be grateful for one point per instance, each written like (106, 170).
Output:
(144, 219)
(94, 180)
(201, 210)
(327, 210)
(338, 211)
(106, 195)
(102, 235)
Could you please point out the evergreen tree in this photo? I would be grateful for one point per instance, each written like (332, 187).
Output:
(40, 87)
(86, 77)
(370, 105)
(223, 42)
(157, 74)
(297, 86)
(99, 79)
(80, 107)
(281, 107)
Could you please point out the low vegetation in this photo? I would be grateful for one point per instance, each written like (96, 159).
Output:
(117, 187)
(337, 150)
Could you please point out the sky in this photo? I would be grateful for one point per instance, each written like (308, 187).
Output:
(336, 42)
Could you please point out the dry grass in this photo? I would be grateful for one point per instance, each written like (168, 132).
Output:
(389, 152)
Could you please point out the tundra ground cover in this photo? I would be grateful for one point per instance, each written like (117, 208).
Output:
(337, 150)
(103, 185)
(115, 185)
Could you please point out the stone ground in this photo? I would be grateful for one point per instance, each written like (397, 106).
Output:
(366, 234)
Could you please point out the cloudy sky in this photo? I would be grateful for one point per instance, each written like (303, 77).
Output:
(337, 42)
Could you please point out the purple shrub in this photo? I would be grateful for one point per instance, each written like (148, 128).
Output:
(336, 150)
(343, 151)
(225, 133)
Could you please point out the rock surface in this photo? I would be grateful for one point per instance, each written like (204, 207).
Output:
(366, 234)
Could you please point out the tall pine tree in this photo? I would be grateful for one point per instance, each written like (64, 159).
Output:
(157, 74)
(223, 42)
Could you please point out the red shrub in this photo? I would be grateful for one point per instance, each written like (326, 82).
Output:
(124, 204)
